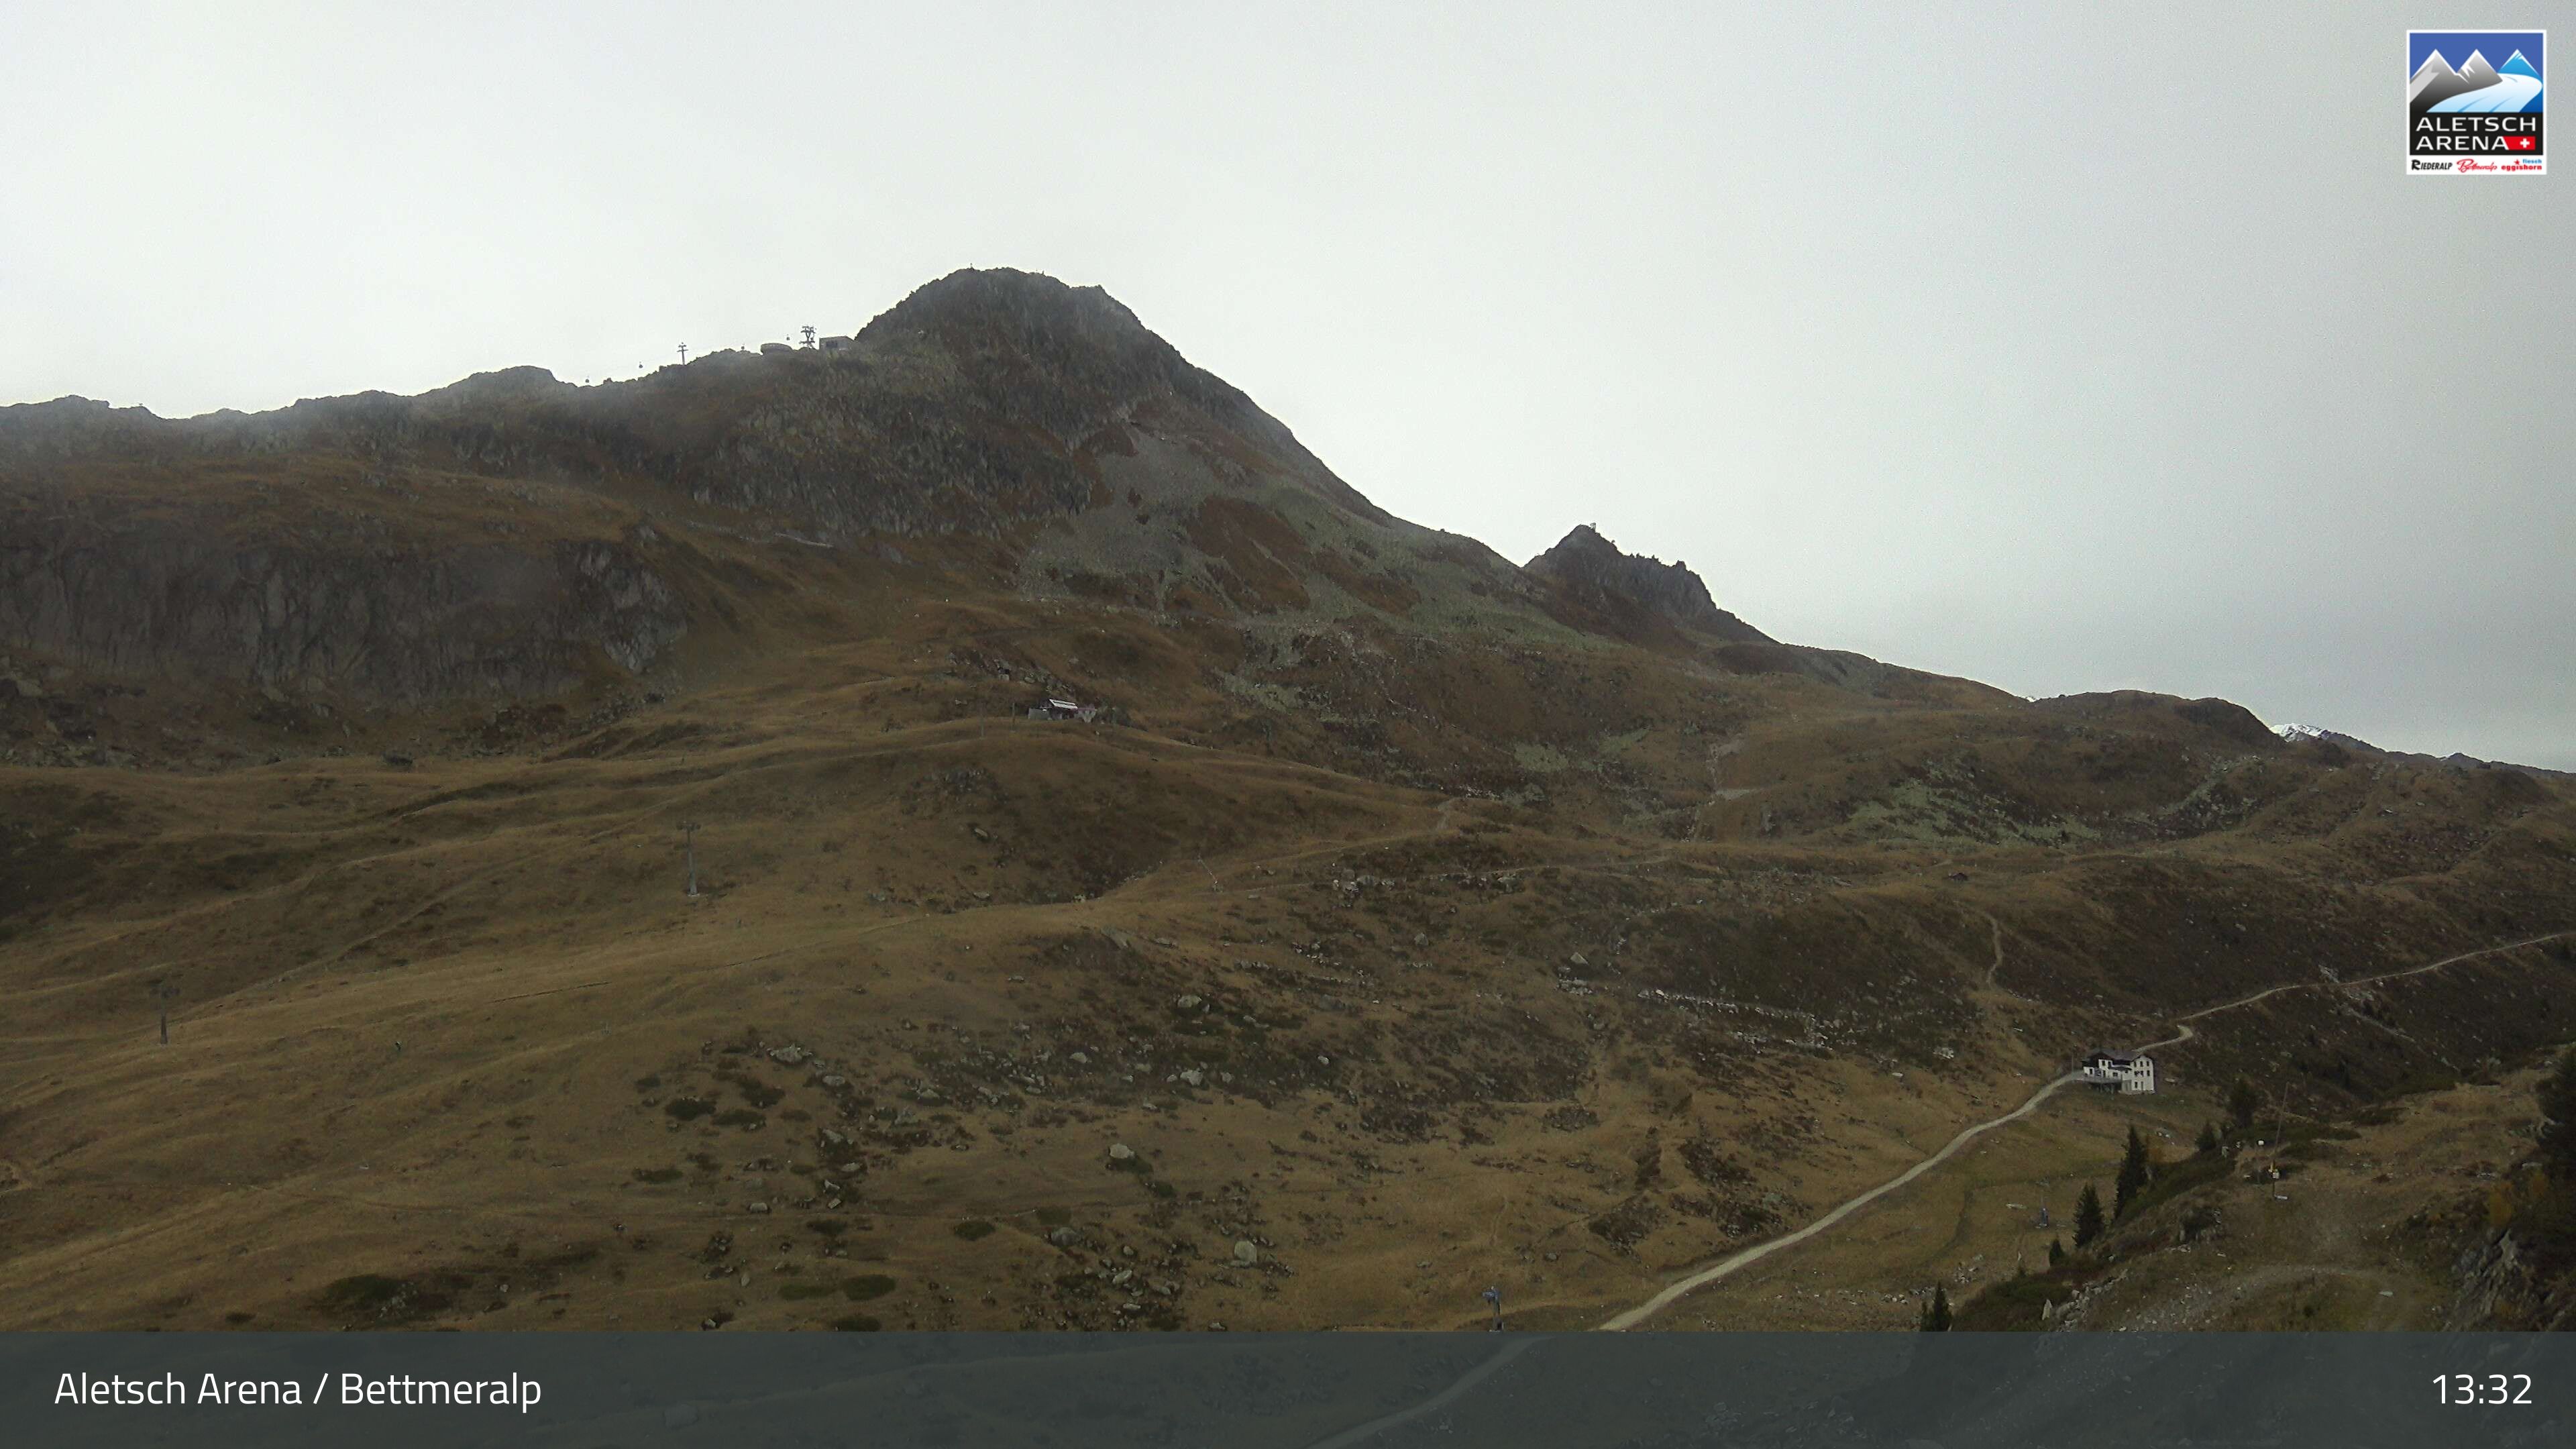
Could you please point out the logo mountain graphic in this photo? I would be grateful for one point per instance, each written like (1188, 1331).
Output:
(2476, 86)
(2434, 83)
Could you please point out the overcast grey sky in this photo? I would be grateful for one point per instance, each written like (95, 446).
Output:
(2089, 347)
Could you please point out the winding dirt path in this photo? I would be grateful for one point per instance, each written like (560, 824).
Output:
(1737, 1262)
(1759, 1251)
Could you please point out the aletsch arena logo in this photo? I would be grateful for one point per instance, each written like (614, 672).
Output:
(2473, 102)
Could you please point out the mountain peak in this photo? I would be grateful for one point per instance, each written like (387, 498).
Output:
(1074, 361)
(1005, 305)
(1015, 331)
(2518, 65)
(2307, 733)
(1630, 594)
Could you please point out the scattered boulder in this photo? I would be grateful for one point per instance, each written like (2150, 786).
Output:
(1246, 1253)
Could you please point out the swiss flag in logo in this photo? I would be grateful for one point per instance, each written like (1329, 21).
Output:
(2521, 143)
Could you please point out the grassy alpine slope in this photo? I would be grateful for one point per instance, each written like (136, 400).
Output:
(1409, 922)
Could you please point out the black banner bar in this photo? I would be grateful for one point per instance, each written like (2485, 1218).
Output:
(1288, 1391)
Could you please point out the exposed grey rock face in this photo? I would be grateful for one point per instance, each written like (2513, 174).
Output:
(2497, 1284)
(393, 620)
(1594, 570)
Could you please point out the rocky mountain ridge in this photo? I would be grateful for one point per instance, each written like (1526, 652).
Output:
(980, 402)
(514, 535)
(1629, 594)
(2336, 740)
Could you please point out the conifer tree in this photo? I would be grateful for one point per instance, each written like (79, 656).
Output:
(2242, 1103)
(2088, 1217)
(2133, 1176)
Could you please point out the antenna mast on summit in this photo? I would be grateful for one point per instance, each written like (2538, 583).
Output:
(684, 354)
(809, 335)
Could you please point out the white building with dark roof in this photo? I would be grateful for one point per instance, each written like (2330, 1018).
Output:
(2119, 1071)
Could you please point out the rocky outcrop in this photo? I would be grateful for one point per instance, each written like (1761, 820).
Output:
(395, 620)
(2498, 1284)
(1628, 595)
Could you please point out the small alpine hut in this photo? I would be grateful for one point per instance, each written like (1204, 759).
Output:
(2119, 1071)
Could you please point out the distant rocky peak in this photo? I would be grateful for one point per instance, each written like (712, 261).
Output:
(1582, 538)
(2298, 733)
(1027, 310)
(1590, 566)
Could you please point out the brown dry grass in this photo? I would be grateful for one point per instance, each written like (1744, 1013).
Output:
(1407, 1088)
